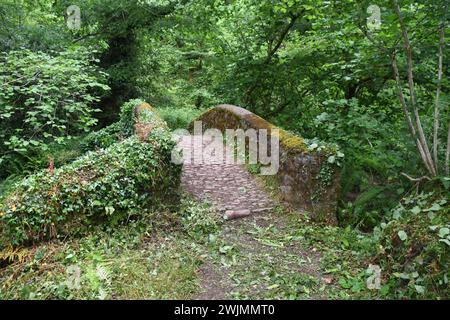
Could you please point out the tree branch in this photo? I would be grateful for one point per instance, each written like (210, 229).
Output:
(436, 105)
(408, 50)
(283, 35)
(415, 179)
(272, 52)
(409, 121)
(447, 153)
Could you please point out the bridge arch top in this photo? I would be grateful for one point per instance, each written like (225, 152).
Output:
(235, 109)
(227, 116)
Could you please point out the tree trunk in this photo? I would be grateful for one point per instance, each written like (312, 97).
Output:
(447, 154)
(421, 136)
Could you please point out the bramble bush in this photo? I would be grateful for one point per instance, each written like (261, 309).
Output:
(106, 186)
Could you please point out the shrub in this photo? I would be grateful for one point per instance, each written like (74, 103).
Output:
(179, 118)
(115, 132)
(414, 247)
(104, 186)
(44, 98)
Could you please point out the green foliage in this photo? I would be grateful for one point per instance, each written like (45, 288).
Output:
(179, 117)
(410, 248)
(115, 132)
(414, 247)
(118, 27)
(127, 116)
(374, 154)
(55, 155)
(106, 186)
(148, 258)
(44, 98)
(199, 220)
(311, 67)
(105, 137)
(33, 25)
(7, 184)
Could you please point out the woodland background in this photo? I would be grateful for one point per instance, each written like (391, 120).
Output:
(316, 68)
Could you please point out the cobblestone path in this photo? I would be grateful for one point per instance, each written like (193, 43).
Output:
(209, 177)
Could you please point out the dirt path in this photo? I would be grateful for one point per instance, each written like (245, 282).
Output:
(252, 257)
(258, 261)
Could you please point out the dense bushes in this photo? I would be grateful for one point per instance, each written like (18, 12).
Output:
(311, 69)
(376, 149)
(44, 98)
(104, 186)
(117, 131)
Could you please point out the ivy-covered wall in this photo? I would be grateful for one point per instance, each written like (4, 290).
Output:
(111, 184)
(309, 174)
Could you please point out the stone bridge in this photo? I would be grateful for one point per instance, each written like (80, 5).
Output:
(307, 178)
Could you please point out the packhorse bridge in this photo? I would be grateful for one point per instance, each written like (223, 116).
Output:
(306, 178)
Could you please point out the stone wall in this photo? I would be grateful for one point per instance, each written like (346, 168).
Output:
(306, 180)
(146, 119)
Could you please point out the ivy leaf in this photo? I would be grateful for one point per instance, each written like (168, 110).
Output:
(443, 232)
(313, 146)
(420, 289)
(416, 210)
(434, 207)
(402, 235)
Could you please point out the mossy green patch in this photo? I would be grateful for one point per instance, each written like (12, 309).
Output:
(291, 142)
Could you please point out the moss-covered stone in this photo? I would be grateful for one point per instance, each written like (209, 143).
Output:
(291, 142)
(143, 106)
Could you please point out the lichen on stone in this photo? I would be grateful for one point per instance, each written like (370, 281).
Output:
(144, 106)
(144, 113)
(291, 142)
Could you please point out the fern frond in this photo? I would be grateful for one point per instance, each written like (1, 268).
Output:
(12, 254)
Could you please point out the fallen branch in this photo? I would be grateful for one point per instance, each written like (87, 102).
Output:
(415, 179)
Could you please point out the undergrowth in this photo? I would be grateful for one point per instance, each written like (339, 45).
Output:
(152, 257)
(180, 117)
(108, 185)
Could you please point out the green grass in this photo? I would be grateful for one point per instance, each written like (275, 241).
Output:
(148, 259)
